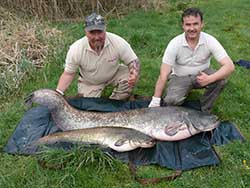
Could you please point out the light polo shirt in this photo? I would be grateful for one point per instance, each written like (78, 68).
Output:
(94, 68)
(187, 61)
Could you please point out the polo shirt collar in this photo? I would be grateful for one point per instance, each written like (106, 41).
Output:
(201, 40)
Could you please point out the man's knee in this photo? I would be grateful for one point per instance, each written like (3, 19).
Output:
(173, 100)
(222, 83)
(87, 90)
(121, 91)
(218, 84)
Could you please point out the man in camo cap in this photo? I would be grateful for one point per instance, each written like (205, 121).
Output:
(97, 57)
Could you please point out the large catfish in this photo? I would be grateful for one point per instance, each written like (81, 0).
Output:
(162, 123)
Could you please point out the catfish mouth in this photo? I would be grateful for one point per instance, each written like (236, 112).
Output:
(29, 100)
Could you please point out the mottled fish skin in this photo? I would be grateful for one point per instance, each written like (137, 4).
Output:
(117, 138)
(161, 123)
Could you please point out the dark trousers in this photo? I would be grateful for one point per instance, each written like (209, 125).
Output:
(179, 86)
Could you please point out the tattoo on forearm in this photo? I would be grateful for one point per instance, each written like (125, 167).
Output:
(134, 65)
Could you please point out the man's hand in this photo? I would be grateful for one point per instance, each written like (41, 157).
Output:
(134, 69)
(203, 79)
(155, 102)
(133, 75)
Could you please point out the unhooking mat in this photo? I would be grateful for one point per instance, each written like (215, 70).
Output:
(243, 63)
(193, 152)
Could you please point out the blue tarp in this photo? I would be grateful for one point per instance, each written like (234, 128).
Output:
(193, 152)
(243, 63)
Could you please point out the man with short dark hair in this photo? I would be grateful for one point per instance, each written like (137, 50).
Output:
(186, 65)
(97, 57)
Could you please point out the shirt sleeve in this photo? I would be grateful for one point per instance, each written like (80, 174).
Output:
(126, 53)
(71, 61)
(216, 48)
(170, 53)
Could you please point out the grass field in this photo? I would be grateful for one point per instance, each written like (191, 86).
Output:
(148, 33)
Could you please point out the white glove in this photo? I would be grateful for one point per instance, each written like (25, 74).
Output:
(155, 102)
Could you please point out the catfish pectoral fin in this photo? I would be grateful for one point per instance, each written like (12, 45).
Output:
(172, 129)
(120, 142)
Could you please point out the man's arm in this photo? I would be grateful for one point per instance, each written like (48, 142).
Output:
(227, 67)
(65, 80)
(160, 85)
(134, 70)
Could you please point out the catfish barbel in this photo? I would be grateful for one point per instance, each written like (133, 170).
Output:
(118, 138)
(168, 123)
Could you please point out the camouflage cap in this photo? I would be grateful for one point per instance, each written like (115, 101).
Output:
(94, 22)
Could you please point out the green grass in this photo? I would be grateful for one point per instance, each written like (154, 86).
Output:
(148, 33)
